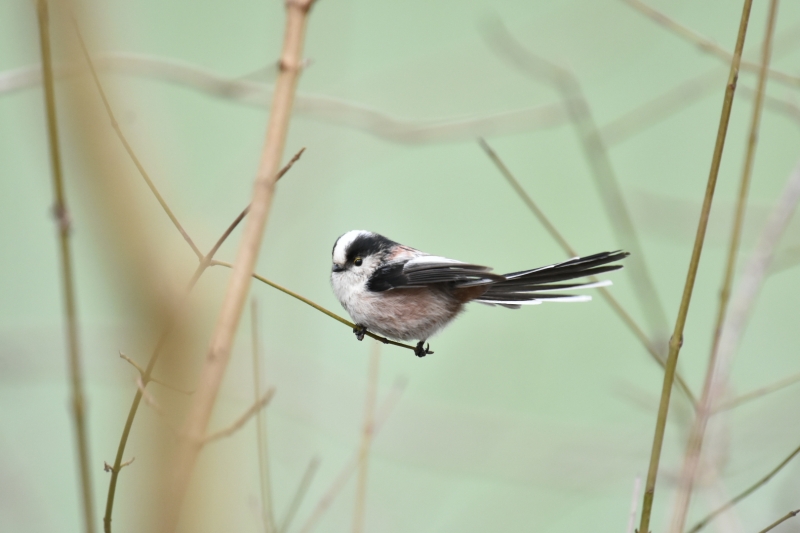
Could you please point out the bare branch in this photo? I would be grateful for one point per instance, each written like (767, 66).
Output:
(790, 514)
(142, 374)
(299, 495)
(745, 493)
(707, 45)
(348, 469)
(242, 420)
(596, 154)
(621, 312)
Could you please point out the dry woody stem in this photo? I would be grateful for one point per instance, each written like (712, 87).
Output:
(267, 516)
(366, 439)
(745, 493)
(235, 297)
(596, 155)
(570, 251)
(718, 364)
(677, 336)
(61, 213)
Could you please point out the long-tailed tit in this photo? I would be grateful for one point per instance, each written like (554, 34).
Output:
(406, 294)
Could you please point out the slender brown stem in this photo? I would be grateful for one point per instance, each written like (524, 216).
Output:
(261, 429)
(141, 370)
(707, 45)
(237, 424)
(600, 164)
(62, 216)
(787, 516)
(570, 251)
(127, 146)
(718, 364)
(744, 494)
(386, 408)
(146, 375)
(758, 393)
(676, 341)
(299, 495)
(366, 440)
(232, 307)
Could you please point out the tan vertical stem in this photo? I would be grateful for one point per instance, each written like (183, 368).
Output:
(716, 374)
(62, 216)
(261, 430)
(676, 341)
(366, 439)
(236, 295)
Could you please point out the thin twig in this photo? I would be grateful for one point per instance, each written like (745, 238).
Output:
(602, 170)
(744, 494)
(242, 420)
(366, 439)
(62, 217)
(386, 408)
(676, 341)
(316, 306)
(757, 393)
(232, 307)
(716, 381)
(127, 146)
(108, 468)
(262, 450)
(707, 45)
(571, 252)
(637, 486)
(787, 516)
(299, 495)
(154, 380)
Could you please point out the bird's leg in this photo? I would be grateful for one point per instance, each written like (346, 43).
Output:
(360, 331)
(421, 350)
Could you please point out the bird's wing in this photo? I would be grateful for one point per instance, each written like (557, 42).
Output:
(430, 269)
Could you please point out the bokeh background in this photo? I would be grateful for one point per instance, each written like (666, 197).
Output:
(531, 420)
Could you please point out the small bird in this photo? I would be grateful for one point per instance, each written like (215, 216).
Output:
(405, 294)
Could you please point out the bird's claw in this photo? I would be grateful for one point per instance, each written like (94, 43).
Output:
(360, 331)
(421, 350)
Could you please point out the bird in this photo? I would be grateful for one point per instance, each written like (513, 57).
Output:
(408, 295)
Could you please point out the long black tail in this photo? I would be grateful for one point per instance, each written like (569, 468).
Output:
(531, 287)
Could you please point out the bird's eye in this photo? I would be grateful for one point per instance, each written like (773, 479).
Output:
(357, 261)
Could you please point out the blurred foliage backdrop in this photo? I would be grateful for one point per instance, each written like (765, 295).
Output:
(530, 420)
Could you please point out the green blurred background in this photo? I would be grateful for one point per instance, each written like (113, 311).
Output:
(530, 420)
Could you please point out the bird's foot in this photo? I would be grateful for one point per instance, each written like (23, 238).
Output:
(421, 350)
(360, 331)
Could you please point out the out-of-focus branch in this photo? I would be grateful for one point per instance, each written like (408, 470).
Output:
(316, 107)
(386, 408)
(570, 251)
(637, 485)
(599, 161)
(366, 440)
(716, 381)
(744, 494)
(262, 448)
(242, 420)
(299, 495)
(62, 217)
(707, 45)
(219, 350)
(142, 372)
(758, 393)
(676, 341)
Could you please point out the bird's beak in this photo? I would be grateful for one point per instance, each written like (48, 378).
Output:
(336, 268)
